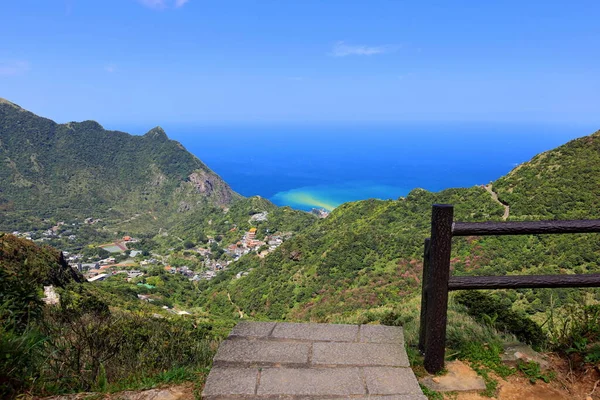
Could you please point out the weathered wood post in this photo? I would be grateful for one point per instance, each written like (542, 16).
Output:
(437, 288)
(423, 323)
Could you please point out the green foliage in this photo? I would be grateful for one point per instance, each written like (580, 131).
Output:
(87, 350)
(487, 310)
(169, 377)
(21, 353)
(83, 344)
(532, 370)
(431, 394)
(364, 255)
(485, 358)
(80, 170)
(578, 336)
(563, 183)
(228, 225)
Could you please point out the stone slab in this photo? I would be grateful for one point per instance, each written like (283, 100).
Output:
(522, 352)
(458, 378)
(360, 354)
(316, 332)
(253, 329)
(262, 351)
(386, 380)
(230, 381)
(311, 381)
(381, 334)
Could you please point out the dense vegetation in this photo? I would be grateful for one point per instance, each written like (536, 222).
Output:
(364, 255)
(362, 264)
(561, 183)
(227, 225)
(96, 338)
(80, 170)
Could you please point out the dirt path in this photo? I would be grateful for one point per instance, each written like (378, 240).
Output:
(495, 198)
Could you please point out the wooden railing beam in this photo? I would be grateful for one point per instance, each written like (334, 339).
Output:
(524, 228)
(523, 281)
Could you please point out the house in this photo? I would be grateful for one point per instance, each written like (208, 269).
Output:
(99, 277)
(134, 274)
(87, 266)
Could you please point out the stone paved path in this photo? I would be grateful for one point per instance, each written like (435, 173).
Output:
(275, 360)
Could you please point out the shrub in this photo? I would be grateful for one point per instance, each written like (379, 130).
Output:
(89, 347)
(486, 309)
(579, 334)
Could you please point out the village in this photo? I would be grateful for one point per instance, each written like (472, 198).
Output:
(127, 260)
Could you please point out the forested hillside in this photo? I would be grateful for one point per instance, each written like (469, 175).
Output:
(80, 170)
(364, 255)
(365, 259)
(228, 223)
(560, 183)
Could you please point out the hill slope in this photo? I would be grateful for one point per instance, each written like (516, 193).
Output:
(80, 170)
(560, 183)
(368, 254)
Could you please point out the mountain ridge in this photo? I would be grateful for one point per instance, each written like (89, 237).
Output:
(79, 169)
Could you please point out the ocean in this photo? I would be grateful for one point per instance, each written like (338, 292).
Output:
(324, 166)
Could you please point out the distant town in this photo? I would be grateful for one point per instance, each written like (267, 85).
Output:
(125, 257)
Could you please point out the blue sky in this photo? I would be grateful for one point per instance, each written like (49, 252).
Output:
(200, 62)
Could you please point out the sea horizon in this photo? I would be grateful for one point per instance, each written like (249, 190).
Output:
(311, 166)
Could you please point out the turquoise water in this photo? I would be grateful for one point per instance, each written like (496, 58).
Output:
(324, 166)
(330, 196)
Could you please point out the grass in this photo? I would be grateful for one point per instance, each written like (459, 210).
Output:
(431, 394)
(170, 377)
(532, 370)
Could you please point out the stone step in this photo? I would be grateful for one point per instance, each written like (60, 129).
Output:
(269, 360)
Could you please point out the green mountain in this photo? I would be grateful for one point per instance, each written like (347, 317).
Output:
(366, 257)
(561, 183)
(80, 170)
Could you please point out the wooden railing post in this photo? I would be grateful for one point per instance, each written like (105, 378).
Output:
(437, 286)
(423, 324)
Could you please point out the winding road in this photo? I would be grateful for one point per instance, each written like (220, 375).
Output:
(495, 197)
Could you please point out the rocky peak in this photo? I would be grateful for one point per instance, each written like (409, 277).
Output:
(157, 133)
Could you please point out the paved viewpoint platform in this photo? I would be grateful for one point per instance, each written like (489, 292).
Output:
(275, 360)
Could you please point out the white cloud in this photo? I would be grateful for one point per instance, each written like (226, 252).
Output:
(110, 68)
(11, 68)
(341, 49)
(162, 4)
